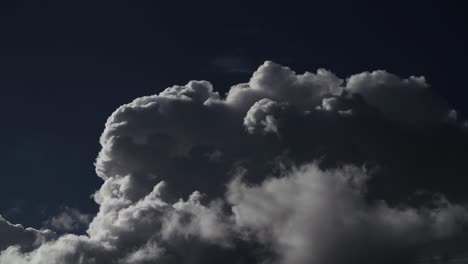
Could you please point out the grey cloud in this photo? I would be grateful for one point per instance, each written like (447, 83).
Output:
(168, 160)
(69, 219)
(261, 117)
(146, 254)
(408, 100)
(152, 217)
(309, 215)
(195, 90)
(66, 249)
(25, 238)
(281, 84)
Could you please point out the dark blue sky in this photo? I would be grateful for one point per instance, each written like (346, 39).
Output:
(65, 66)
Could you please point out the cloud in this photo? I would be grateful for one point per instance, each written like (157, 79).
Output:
(328, 165)
(281, 84)
(261, 117)
(17, 235)
(68, 220)
(308, 215)
(66, 249)
(412, 101)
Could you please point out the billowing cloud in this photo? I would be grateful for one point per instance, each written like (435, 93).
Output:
(261, 117)
(281, 84)
(287, 168)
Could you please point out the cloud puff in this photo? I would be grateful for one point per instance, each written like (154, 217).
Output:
(68, 220)
(408, 100)
(171, 191)
(261, 117)
(281, 84)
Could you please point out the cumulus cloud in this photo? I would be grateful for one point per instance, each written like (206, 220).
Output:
(327, 165)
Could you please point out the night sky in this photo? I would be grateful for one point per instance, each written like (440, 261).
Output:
(65, 66)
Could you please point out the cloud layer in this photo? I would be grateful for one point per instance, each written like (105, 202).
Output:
(287, 168)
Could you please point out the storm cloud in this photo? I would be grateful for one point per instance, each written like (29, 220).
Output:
(287, 168)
